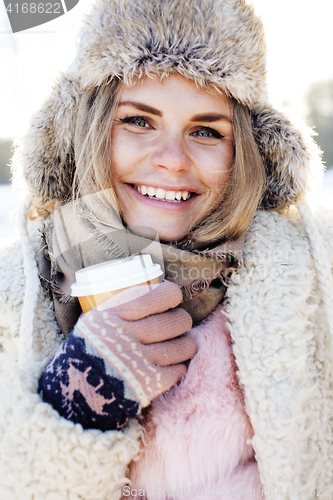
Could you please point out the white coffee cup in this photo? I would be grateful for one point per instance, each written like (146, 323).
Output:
(96, 284)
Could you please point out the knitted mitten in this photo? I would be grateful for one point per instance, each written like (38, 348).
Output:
(119, 357)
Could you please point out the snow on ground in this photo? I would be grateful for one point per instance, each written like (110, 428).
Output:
(9, 202)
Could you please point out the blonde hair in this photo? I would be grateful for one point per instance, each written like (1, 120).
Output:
(245, 188)
(234, 210)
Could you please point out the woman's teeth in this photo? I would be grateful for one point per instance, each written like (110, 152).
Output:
(162, 194)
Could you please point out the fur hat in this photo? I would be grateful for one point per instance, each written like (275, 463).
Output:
(211, 42)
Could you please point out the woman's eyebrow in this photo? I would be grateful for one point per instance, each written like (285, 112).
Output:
(205, 117)
(142, 107)
(210, 117)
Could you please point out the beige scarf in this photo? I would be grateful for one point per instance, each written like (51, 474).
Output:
(77, 235)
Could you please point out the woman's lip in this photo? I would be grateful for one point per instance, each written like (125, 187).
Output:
(175, 189)
(158, 203)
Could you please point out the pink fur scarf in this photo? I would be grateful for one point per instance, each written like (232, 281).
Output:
(198, 433)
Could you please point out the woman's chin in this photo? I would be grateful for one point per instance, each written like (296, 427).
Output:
(151, 231)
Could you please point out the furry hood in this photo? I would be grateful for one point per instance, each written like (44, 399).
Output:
(219, 42)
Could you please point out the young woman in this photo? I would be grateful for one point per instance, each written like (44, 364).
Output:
(218, 381)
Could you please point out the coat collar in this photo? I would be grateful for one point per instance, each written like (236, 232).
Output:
(283, 355)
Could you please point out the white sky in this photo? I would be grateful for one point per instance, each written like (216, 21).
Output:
(299, 39)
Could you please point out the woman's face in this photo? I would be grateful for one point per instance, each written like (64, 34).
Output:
(172, 149)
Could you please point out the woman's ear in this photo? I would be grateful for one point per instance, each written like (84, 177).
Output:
(45, 156)
(290, 155)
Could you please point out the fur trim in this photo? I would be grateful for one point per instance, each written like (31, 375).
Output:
(291, 157)
(45, 159)
(219, 42)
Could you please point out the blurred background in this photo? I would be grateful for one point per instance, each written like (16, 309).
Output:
(300, 75)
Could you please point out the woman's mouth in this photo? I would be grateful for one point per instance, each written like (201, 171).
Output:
(162, 194)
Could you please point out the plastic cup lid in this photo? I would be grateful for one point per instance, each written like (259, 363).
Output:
(114, 275)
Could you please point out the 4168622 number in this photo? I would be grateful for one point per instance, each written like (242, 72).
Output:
(34, 8)
(320, 491)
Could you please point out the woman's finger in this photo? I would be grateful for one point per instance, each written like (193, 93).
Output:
(139, 303)
(170, 352)
(160, 327)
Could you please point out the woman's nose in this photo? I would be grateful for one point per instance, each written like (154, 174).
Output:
(170, 153)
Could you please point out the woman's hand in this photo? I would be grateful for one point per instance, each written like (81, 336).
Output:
(119, 356)
(138, 338)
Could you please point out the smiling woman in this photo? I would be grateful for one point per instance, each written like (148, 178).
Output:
(161, 140)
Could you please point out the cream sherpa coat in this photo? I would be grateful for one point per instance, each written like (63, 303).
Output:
(279, 304)
(284, 354)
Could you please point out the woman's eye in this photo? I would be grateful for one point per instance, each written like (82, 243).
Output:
(206, 133)
(138, 121)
